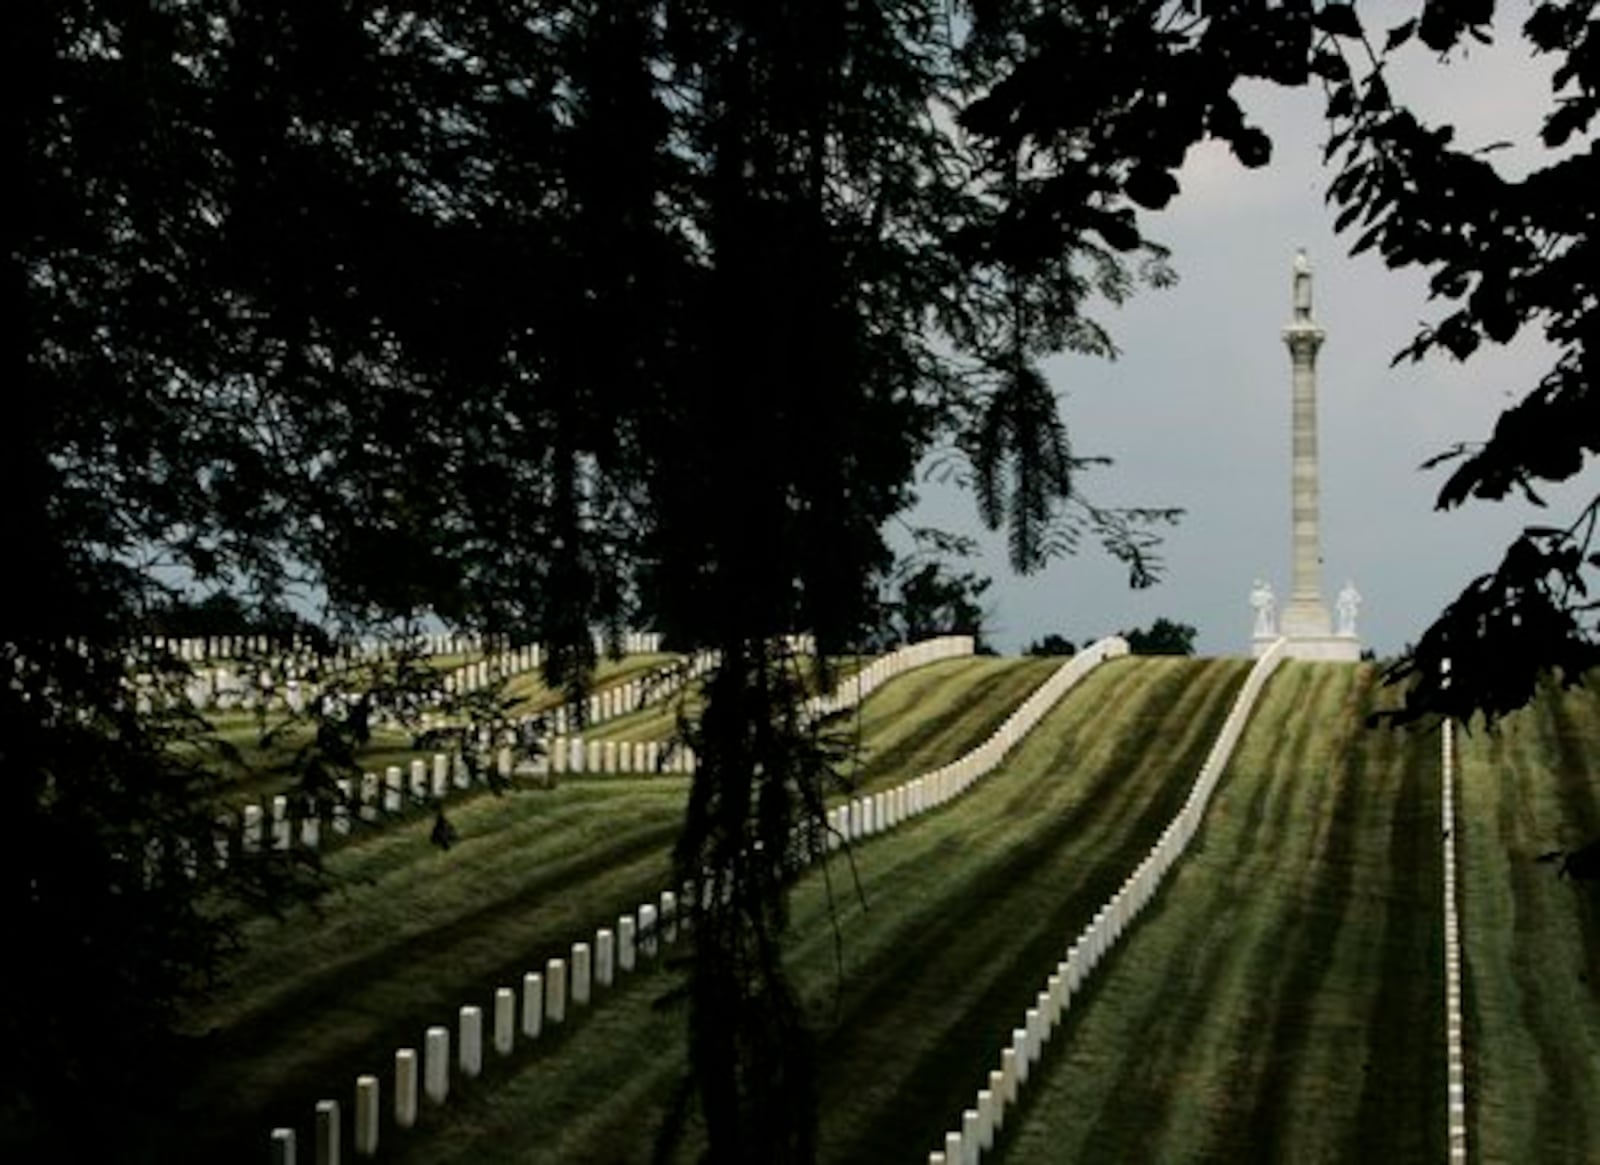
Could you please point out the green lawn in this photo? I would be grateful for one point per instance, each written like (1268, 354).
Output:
(1282, 999)
(413, 932)
(1531, 941)
(956, 913)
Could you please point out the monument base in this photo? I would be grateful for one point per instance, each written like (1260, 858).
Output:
(1327, 648)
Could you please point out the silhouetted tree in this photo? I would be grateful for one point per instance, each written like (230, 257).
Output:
(932, 599)
(534, 318)
(1051, 644)
(1163, 637)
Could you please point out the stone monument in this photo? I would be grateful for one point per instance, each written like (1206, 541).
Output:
(1304, 620)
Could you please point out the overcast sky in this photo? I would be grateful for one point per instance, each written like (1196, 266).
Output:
(1196, 410)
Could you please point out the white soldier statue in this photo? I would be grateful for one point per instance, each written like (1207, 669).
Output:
(1266, 614)
(1348, 603)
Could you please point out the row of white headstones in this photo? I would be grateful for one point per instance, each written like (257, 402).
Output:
(229, 647)
(257, 672)
(980, 1124)
(281, 823)
(593, 965)
(1455, 1061)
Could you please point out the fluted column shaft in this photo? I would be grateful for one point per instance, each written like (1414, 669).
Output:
(1306, 613)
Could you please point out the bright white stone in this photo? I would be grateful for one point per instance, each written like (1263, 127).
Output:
(647, 930)
(282, 1147)
(366, 1130)
(327, 1142)
(470, 1052)
(625, 942)
(436, 1064)
(555, 990)
(505, 1020)
(532, 1004)
(405, 1087)
(580, 974)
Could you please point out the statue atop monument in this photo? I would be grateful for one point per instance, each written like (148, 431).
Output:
(1261, 598)
(1302, 287)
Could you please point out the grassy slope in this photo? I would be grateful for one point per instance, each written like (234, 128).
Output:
(964, 911)
(659, 720)
(414, 931)
(1531, 942)
(935, 713)
(1283, 999)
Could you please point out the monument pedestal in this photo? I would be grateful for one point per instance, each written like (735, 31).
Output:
(1328, 648)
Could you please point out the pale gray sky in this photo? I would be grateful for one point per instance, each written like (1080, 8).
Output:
(1196, 411)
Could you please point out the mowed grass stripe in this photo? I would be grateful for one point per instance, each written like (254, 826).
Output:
(965, 910)
(1531, 941)
(1282, 999)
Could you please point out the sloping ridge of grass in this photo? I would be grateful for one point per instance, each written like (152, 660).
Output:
(414, 932)
(956, 914)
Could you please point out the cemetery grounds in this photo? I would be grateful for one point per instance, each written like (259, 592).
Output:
(1281, 999)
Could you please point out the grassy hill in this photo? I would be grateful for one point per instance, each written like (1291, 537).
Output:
(1282, 999)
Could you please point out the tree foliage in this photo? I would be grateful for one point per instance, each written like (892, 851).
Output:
(1504, 253)
(532, 318)
(1051, 644)
(1163, 637)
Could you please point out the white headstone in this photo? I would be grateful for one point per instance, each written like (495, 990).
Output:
(555, 990)
(647, 930)
(532, 1004)
(625, 942)
(471, 1051)
(505, 1020)
(282, 1152)
(252, 828)
(580, 974)
(328, 1141)
(669, 916)
(341, 807)
(436, 1064)
(604, 957)
(405, 1087)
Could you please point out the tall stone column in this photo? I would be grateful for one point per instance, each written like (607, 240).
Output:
(1305, 616)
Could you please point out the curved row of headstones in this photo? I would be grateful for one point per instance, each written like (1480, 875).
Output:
(284, 820)
(566, 985)
(545, 994)
(871, 813)
(858, 686)
(981, 1123)
(199, 649)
